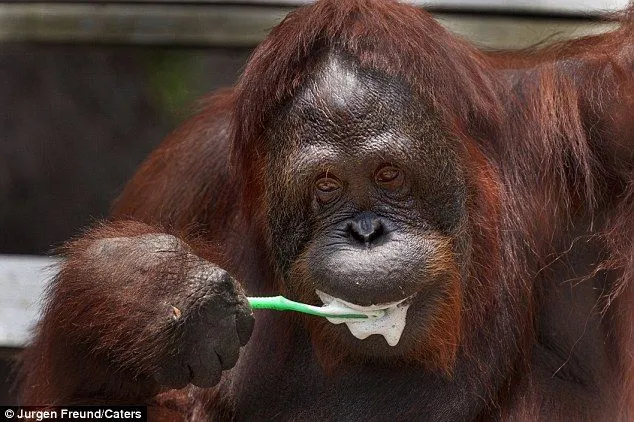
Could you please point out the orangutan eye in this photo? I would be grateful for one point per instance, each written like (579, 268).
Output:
(327, 188)
(389, 177)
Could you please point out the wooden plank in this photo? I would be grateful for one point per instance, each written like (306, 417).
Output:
(22, 281)
(507, 32)
(238, 26)
(233, 26)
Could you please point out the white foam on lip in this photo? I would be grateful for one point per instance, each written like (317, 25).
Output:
(390, 326)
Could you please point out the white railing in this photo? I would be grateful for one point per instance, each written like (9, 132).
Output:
(22, 282)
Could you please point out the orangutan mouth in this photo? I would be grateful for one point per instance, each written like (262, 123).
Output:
(390, 325)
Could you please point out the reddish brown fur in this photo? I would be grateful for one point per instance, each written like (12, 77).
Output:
(548, 139)
(438, 346)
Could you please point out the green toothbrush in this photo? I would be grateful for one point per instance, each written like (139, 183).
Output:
(280, 303)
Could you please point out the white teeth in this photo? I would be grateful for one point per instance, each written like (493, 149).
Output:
(390, 326)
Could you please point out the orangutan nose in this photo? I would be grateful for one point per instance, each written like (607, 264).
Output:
(366, 228)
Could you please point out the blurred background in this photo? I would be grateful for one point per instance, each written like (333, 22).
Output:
(88, 89)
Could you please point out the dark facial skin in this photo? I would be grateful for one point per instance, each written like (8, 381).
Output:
(367, 197)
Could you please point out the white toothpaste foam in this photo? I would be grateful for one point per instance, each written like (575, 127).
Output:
(390, 325)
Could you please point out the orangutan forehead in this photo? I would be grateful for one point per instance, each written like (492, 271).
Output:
(344, 112)
(340, 85)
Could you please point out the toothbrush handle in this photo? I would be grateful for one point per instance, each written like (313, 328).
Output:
(280, 303)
